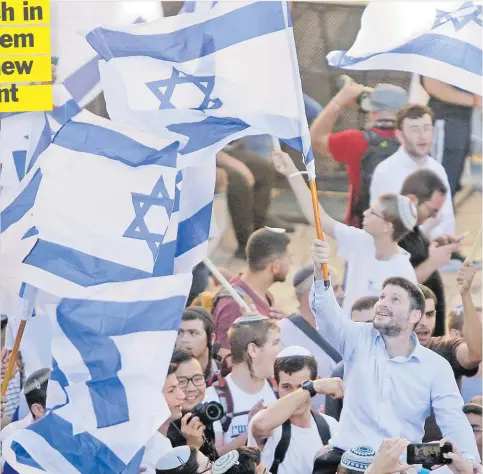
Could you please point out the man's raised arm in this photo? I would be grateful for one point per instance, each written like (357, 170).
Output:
(332, 323)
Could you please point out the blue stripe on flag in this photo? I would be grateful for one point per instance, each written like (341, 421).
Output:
(21, 204)
(83, 451)
(64, 113)
(88, 138)
(90, 325)
(45, 140)
(189, 43)
(79, 267)
(207, 132)
(164, 264)
(57, 375)
(83, 80)
(439, 47)
(23, 457)
(31, 232)
(195, 230)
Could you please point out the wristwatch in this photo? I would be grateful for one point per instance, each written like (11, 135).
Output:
(309, 386)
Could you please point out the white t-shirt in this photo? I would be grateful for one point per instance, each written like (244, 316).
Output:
(304, 445)
(242, 403)
(15, 426)
(157, 445)
(291, 335)
(389, 177)
(365, 274)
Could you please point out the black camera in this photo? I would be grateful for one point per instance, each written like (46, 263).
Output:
(428, 454)
(208, 412)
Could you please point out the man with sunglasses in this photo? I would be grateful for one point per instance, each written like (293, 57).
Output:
(428, 192)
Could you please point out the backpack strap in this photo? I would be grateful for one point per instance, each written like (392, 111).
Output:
(282, 447)
(223, 391)
(314, 335)
(322, 427)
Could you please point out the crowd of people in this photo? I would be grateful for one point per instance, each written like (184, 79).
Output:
(362, 368)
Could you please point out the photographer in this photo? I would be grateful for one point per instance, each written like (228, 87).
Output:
(360, 150)
(194, 428)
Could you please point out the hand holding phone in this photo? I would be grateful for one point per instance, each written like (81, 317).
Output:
(428, 454)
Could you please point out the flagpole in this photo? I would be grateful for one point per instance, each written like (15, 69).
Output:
(219, 276)
(315, 206)
(13, 357)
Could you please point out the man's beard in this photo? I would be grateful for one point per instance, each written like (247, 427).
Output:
(279, 277)
(392, 328)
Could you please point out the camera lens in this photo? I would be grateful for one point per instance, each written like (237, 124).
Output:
(214, 411)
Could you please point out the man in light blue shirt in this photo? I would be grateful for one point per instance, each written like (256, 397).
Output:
(391, 381)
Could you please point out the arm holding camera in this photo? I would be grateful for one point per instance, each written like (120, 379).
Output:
(193, 430)
(388, 457)
(279, 412)
(458, 464)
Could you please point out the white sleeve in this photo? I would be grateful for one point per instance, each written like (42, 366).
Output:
(447, 224)
(380, 183)
(350, 239)
(333, 424)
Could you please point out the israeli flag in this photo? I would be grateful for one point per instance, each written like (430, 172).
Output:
(442, 40)
(203, 69)
(97, 204)
(24, 136)
(111, 348)
(197, 6)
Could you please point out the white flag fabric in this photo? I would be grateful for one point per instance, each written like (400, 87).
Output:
(111, 348)
(202, 68)
(442, 40)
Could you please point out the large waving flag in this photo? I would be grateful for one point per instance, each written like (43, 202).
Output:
(88, 227)
(111, 348)
(202, 68)
(442, 40)
(92, 216)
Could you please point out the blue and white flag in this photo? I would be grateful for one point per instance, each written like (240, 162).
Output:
(111, 348)
(192, 6)
(203, 69)
(97, 204)
(442, 40)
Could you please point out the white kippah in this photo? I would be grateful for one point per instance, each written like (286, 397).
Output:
(292, 351)
(277, 230)
(407, 212)
(225, 462)
(174, 458)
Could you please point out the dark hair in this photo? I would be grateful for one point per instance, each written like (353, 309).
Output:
(428, 293)
(172, 369)
(363, 303)
(264, 247)
(197, 313)
(472, 409)
(412, 111)
(416, 297)
(423, 184)
(242, 333)
(248, 461)
(293, 364)
(190, 467)
(180, 356)
(38, 396)
(456, 319)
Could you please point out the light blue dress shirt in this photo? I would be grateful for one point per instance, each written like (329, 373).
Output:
(385, 397)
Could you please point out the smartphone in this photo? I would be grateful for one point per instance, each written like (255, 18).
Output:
(428, 454)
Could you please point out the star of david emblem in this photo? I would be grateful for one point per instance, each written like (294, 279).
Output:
(465, 14)
(142, 203)
(164, 90)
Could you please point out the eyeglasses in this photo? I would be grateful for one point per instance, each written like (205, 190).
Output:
(477, 429)
(376, 214)
(198, 380)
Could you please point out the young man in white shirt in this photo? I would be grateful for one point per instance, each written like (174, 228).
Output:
(290, 432)
(415, 132)
(372, 253)
(255, 343)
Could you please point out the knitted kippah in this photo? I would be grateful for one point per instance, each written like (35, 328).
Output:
(358, 459)
(225, 462)
(407, 212)
(249, 318)
(36, 379)
(174, 458)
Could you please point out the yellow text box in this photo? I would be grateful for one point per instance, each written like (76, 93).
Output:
(14, 12)
(14, 98)
(25, 69)
(24, 40)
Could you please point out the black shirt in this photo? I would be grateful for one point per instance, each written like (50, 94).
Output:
(417, 245)
(177, 439)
